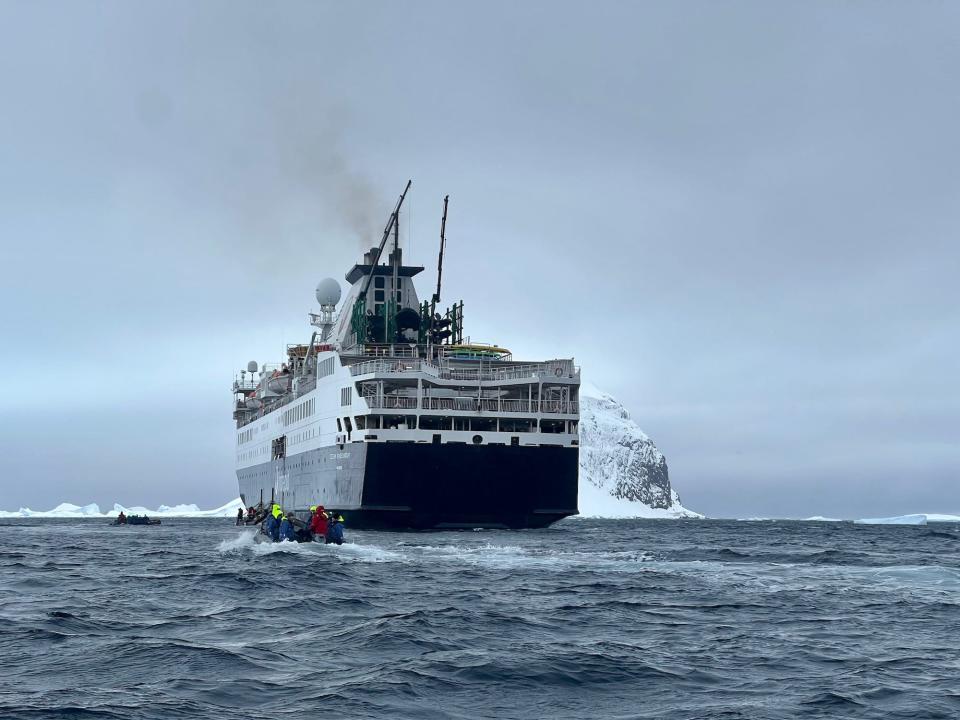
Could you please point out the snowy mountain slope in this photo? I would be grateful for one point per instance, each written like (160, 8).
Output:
(622, 473)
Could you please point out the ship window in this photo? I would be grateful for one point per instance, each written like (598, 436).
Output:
(361, 421)
(434, 422)
(325, 368)
(339, 426)
(378, 295)
(399, 299)
(551, 426)
(517, 425)
(393, 422)
(379, 281)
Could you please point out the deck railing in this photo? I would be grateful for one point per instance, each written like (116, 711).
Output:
(494, 405)
(396, 365)
(547, 371)
(392, 403)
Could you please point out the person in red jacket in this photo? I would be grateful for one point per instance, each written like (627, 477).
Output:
(318, 523)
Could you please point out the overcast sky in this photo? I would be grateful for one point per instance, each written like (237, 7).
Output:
(741, 218)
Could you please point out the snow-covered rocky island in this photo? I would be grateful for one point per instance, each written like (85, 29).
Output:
(622, 473)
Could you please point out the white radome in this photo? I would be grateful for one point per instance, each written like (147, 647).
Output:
(328, 292)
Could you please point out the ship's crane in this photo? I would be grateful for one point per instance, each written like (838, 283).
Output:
(386, 236)
(443, 242)
(438, 327)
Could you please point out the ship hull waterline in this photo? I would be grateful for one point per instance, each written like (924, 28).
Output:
(423, 485)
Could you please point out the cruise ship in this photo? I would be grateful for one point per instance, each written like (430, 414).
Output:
(392, 418)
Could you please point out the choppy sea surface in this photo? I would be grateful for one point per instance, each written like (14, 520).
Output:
(588, 619)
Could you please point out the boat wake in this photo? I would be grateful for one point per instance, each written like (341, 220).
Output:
(348, 552)
(758, 573)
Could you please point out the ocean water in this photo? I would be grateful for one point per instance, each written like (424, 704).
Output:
(588, 619)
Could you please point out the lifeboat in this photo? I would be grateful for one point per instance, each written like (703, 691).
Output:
(476, 351)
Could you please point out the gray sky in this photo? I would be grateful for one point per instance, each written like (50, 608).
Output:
(740, 218)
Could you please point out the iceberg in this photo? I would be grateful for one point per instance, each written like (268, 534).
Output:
(820, 518)
(899, 520)
(938, 517)
(63, 510)
(69, 510)
(917, 519)
(191, 508)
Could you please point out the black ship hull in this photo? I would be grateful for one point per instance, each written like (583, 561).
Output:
(424, 486)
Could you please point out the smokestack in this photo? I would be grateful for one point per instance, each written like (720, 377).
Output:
(370, 257)
(399, 254)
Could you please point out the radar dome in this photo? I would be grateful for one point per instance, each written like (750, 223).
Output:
(328, 292)
(252, 366)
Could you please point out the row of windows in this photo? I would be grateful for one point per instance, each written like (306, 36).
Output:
(298, 413)
(378, 297)
(250, 454)
(245, 436)
(461, 424)
(325, 367)
(346, 396)
(379, 292)
(303, 436)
